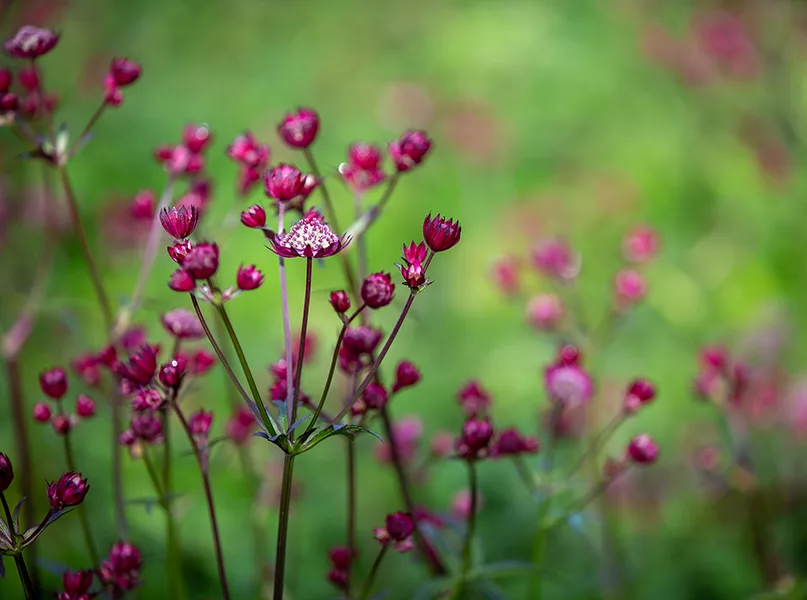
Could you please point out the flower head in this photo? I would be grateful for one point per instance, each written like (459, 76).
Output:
(202, 261)
(147, 399)
(179, 221)
(414, 270)
(568, 383)
(340, 301)
(441, 233)
(309, 237)
(362, 339)
(398, 531)
(31, 42)
(629, 287)
(475, 438)
(639, 392)
(248, 278)
(182, 324)
(374, 396)
(180, 250)
(54, 383)
(409, 150)
(642, 450)
(254, 216)
(6, 472)
(124, 72)
(121, 570)
(181, 281)
(377, 290)
(141, 365)
(406, 375)
(69, 490)
(505, 273)
(241, 425)
(246, 150)
(284, 183)
(299, 129)
(62, 424)
(147, 427)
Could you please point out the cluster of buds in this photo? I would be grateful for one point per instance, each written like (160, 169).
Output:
(341, 560)
(120, 572)
(187, 159)
(720, 375)
(639, 393)
(69, 490)
(439, 234)
(76, 585)
(362, 170)
(122, 73)
(511, 442)
(357, 349)
(567, 383)
(397, 531)
(29, 43)
(287, 186)
(252, 157)
(54, 384)
(475, 439)
(474, 399)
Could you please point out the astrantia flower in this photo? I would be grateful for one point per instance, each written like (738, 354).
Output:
(179, 250)
(475, 438)
(409, 150)
(54, 383)
(640, 245)
(141, 365)
(340, 301)
(254, 216)
(629, 287)
(69, 490)
(182, 324)
(398, 531)
(246, 150)
(124, 71)
(284, 183)
(147, 399)
(413, 270)
(196, 137)
(76, 584)
(179, 221)
(440, 233)
(122, 569)
(377, 290)
(249, 278)
(406, 375)
(511, 443)
(568, 384)
(310, 237)
(545, 311)
(555, 258)
(202, 261)
(299, 129)
(181, 281)
(362, 339)
(642, 450)
(473, 398)
(31, 42)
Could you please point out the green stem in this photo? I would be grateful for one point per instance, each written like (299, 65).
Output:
(72, 205)
(598, 442)
(351, 510)
(309, 262)
(283, 526)
(368, 584)
(469, 533)
(211, 510)
(174, 564)
(19, 561)
(82, 513)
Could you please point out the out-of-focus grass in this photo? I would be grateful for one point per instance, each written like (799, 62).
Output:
(587, 139)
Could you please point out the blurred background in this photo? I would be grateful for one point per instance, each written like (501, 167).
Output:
(549, 118)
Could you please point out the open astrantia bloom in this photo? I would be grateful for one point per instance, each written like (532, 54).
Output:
(310, 237)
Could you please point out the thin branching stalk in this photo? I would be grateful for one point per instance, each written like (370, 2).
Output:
(174, 555)
(368, 584)
(352, 484)
(284, 300)
(283, 526)
(309, 263)
(469, 531)
(211, 510)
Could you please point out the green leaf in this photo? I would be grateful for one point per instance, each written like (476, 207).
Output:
(321, 435)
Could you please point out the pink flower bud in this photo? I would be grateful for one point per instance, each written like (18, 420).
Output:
(31, 42)
(254, 217)
(179, 251)
(85, 407)
(41, 412)
(374, 396)
(249, 278)
(179, 222)
(629, 286)
(181, 281)
(142, 206)
(377, 290)
(406, 374)
(474, 398)
(409, 150)
(202, 261)
(364, 156)
(124, 71)
(299, 129)
(475, 438)
(8, 102)
(506, 276)
(642, 450)
(545, 311)
(284, 183)
(28, 78)
(640, 245)
(442, 444)
(54, 383)
(76, 584)
(196, 137)
(440, 233)
(201, 362)
(69, 490)
(61, 424)
(340, 301)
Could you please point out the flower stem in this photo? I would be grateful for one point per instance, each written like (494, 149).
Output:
(173, 563)
(363, 223)
(368, 584)
(72, 205)
(82, 513)
(283, 526)
(309, 263)
(598, 442)
(117, 465)
(330, 213)
(351, 509)
(284, 299)
(19, 561)
(211, 510)
(371, 372)
(425, 549)
(469, 533)
(88, 127)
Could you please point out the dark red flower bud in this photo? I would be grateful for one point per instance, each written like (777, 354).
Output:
(113, 97)
(248, 278)
(41, 412)
(29, 78)
(108, 356)
(54, 383)
(409, 150)
(241, 425)
(299, 129)
(182, 324)
(85, 407)
(643, 450)
(200, 422)
(441, 234)
(400, 526)
(246, 150)
(511, 443)
(362, 339)
(406, 374)
(413, 270)
(6, 472)
(715, 357)
(339, 578)
(181, 281)
(147, 427)
(340, 301)
(179, 222)
(9, 102)
(122, 569)
(69, 490)
(61, 424)
(475, 438)
(201, 362)
(202, 261)
(364, 156)
(374, 396)
(254, 217)
(142, 206)
(569, 355)
(284, 183)
(76, 583)
(31, 42)
(6, 78)
(179, 251)
(642, 389)
(341, 557)
(124, 71)
(141, 365)
(377, 290)
(196, 137)
(171, 375)
(474, 398)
